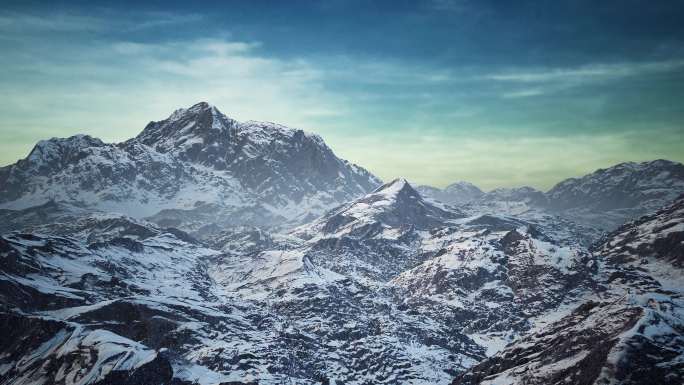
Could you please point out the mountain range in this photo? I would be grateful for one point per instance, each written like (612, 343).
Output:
(604, 199)
(211, 251)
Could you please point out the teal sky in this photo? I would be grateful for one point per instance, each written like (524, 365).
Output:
(526, 93)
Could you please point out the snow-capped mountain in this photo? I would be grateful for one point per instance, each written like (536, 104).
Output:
(511, 200)
(251, 254)
(361, 294)
(393, 205)
(454, 194)
(197, 161)
(602, 200)
(630, 332)
(282, 165)
(609, 197)
(377, 235)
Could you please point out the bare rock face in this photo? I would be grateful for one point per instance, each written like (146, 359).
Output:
(573, 350)
(56, 352)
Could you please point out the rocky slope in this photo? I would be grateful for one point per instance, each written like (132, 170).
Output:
(631, 332)
(609, 197)
(264, 258)
(194, 169)
(387, 288)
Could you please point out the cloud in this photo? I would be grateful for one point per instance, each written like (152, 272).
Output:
(523, 93)
(11, 22)
(79, 86)
(551, 80)
(107, 21)
(592, 72)
(148, 20)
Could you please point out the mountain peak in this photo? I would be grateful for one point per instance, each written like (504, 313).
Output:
(201, 110)
(394, 184)
(465, 190)
(397, 189)
(47, 153)
(456, 193)
(188, 130)
(461, 183)
(525, 194)
(202, 105)
(394, 204)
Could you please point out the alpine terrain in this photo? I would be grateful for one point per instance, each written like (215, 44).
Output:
(211, 251)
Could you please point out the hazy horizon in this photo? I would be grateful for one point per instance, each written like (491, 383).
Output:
(499, 95)
(415, 183)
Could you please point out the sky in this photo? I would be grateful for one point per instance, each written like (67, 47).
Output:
(498, 93)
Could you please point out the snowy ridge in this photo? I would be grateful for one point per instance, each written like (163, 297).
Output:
(392, 206)
(604, 199)
(396, 292)
(454, 194)
(248, 173)
(358, 304)
(629, 329)
(609, 197)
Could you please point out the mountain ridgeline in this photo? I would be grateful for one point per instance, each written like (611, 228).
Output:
(211, 251)
(605, 198)
(196, 161)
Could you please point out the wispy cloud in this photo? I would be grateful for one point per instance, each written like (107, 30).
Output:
(550, 80)
(151, 79)
(62, 22)
(591, 72)
(11, 22)
(524, 93)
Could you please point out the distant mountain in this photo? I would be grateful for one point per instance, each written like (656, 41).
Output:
(196, 161)
(511, 200)
(604, 199)
(655, 239)
(454, 194)
(609, 197)
(523, 194)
